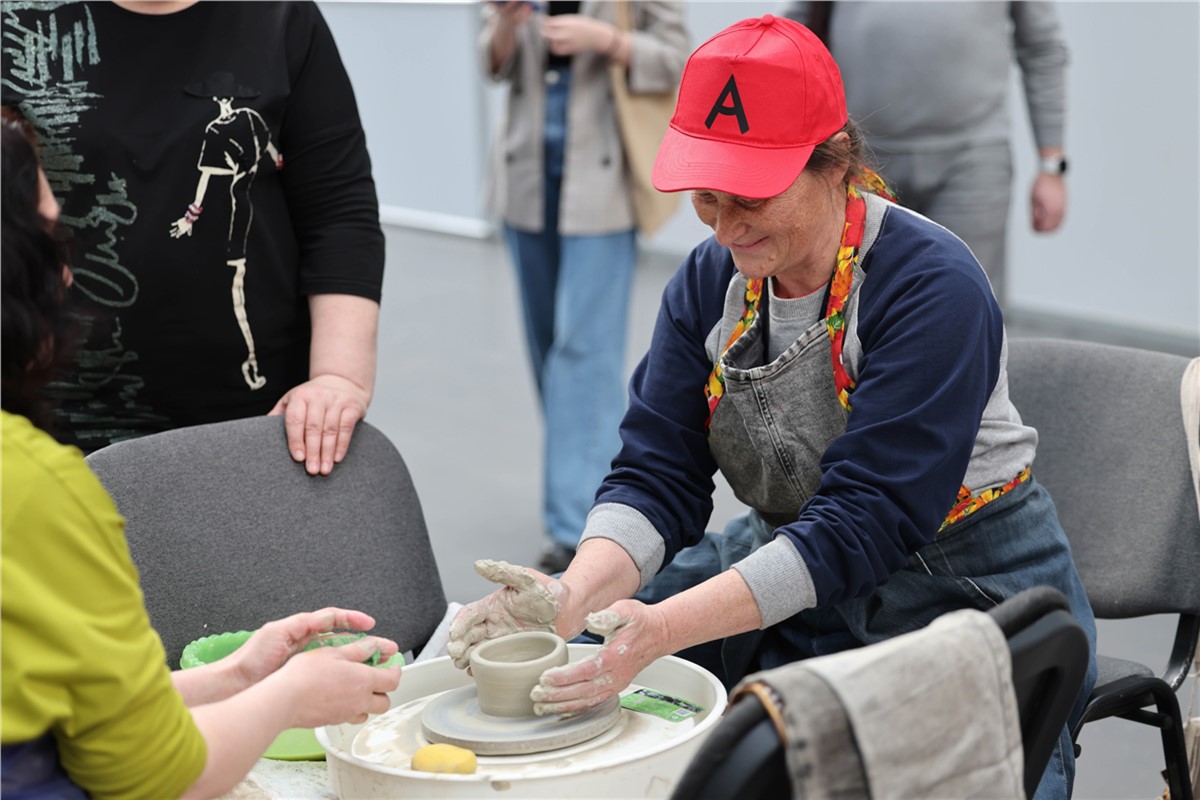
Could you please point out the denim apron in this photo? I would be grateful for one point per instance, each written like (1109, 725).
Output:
(774, 422)
(767, 435)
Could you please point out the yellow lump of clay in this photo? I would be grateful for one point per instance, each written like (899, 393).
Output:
(444, 758)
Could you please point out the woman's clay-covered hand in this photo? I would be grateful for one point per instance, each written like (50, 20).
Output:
(634, 635)
(527, 601)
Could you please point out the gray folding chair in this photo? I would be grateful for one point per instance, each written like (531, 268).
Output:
(228, 532)
(1113, 454)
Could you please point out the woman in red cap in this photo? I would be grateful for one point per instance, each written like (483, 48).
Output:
(841, 361)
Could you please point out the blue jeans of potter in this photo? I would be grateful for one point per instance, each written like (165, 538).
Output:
(575, 300)
(1009, 545)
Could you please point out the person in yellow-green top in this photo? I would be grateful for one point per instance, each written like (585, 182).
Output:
(88, 704)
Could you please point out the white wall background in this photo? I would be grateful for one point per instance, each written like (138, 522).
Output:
(1128, 254)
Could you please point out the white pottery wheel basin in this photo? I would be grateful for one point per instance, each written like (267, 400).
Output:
(641, 756)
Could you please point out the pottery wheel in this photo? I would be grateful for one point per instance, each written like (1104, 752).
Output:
(455, 718)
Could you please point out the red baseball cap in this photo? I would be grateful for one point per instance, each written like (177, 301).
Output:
(754, 101)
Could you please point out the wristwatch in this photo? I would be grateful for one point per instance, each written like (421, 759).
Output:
(1054, 165)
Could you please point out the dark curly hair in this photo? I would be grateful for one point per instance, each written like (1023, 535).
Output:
(35, 324)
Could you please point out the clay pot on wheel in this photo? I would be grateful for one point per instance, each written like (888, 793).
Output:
(507, 669)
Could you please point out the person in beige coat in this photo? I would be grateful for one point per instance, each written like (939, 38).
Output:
(560, 183)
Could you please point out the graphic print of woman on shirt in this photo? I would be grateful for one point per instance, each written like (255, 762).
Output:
(234, 143)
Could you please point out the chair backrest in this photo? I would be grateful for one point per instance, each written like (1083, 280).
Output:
(1113, 454)
(228, 532)
(744, 757)
(1050, 654)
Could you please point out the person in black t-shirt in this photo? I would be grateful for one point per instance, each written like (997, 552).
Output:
(122, 95)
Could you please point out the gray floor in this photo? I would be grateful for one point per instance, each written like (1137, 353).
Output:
(455, 394)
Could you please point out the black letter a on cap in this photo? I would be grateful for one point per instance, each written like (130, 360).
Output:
(736, 109)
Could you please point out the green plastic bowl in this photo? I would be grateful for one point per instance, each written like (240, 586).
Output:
(212, 648)
(294, 744)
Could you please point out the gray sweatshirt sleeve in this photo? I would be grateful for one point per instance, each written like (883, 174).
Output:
(779, 580)
(1041, 53)
(777, 576)
(630, 529)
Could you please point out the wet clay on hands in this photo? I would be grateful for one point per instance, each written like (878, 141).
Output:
(522, 603)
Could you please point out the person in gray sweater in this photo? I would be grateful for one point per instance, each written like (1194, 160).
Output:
(929, 83)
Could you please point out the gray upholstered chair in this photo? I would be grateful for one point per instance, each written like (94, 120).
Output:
(1112, 451)
(228, 532)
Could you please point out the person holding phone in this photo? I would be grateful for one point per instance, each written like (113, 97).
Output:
(559, 181)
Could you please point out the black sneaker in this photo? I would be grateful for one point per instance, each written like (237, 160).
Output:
(555, 558)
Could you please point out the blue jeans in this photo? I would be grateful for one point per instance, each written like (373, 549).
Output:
(33, 770)
(575, 299)
(1009, 545)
